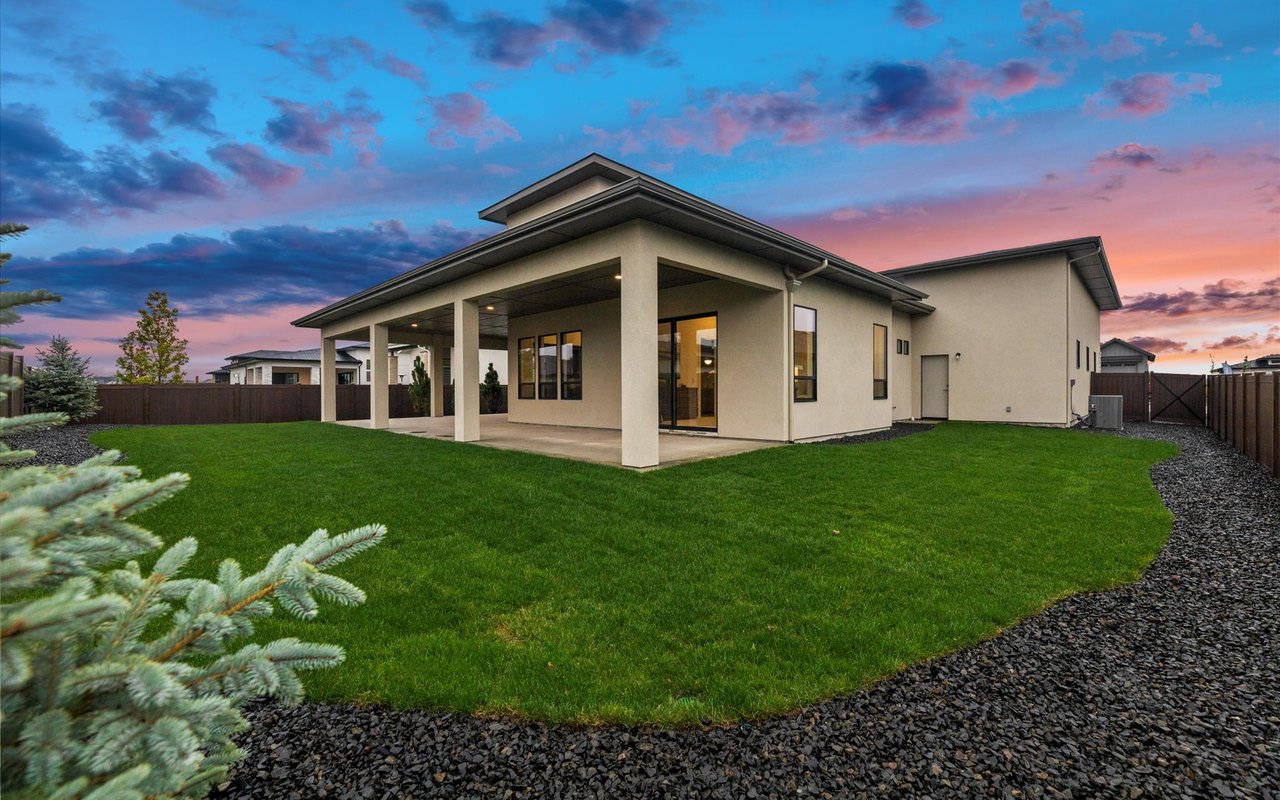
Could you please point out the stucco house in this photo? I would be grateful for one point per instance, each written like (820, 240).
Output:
(1121, 356)
(352, 362)
(626, 303)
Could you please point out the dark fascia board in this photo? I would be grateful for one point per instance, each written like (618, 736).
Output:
(591, 166)
(1092, 265)
(1117, 340)
(608, 208)
(913, 308)
(244, 358)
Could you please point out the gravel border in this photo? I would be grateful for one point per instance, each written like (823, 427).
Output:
(64, 444)
(898, 430)
(1169, 687)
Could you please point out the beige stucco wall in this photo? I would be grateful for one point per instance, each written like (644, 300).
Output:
(750, 354)
(600, 406)
(903, 369)
(573, 194)
(1082, 324)
(845, 403)
(1009, 322)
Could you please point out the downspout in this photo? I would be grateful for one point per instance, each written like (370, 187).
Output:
(792, 281)
(1071, 389)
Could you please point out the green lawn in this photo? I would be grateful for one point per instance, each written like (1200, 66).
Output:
(518, 584)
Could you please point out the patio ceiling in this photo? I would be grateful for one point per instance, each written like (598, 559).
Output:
(581, 288)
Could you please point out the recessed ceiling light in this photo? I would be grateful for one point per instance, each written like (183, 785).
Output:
(413, 324)
(618, 277)
(488, 308)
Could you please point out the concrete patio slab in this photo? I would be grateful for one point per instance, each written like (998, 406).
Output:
(597, 445)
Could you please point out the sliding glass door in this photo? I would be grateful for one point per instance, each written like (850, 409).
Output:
(687, 364)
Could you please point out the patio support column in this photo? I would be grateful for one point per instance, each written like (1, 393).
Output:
(379, 392)
(639, 353)
(438, 352)
(465, 369)
(328, 380)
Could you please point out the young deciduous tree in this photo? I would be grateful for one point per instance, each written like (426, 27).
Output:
(490, 392)
(153, 353)
(420, 388)
(62, 382)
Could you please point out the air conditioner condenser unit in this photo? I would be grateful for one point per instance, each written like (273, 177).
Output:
(1106, 411)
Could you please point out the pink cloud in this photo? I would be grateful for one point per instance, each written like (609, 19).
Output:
(463, 115)
(1131, 155)
(915, 14)
(1148, 93)
(1199, 36)
(257, 168)
(1126, 44)
(311, 130)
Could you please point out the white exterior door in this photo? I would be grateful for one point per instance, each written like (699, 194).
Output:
(934, 378)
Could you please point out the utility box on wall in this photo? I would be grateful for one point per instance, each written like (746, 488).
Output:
(1106, 411)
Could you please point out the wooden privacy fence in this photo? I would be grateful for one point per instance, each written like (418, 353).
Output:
(201, 404)
(1155, 396)
(1244, 409)
(1134, 386)
(11, 364)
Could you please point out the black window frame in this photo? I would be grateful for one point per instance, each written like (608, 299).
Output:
(532, 383)
(1088, 358)
(549, 389)
(810, 380)
(906, 347)
(880, 386)
(1077, 354)
(567, 386)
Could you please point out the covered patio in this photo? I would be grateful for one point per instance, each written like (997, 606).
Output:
(596, 445)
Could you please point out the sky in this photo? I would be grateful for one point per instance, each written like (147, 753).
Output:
(260, 160)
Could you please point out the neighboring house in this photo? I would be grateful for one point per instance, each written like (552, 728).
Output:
(353, 363)
(1262, 365)
(1121, 356)
(626, 303)
(221, 375)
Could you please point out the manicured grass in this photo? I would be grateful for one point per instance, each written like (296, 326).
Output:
(518, 584)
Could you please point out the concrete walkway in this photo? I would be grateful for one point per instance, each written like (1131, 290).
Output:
(597, 445)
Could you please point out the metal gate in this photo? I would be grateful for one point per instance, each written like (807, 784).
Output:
(1178, 398)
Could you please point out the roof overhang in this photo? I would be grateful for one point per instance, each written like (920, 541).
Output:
(637, 198)
(1085, 254)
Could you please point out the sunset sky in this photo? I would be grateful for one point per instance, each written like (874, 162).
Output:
(259, 160)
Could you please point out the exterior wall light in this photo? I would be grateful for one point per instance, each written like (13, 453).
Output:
(957, 356)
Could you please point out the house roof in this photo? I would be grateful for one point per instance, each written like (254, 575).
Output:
(1086, 253)
(1267, 361)
(592, 166)
(1150, 355)
(638, 196)
(312, 354)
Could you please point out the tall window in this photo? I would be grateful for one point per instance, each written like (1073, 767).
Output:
(879, 362)
(1088, 358)
(571, 365)
(804, 352)
(527, 364)
(547, 358)
(1077, 354)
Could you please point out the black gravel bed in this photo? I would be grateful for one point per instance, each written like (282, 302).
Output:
(898, 430)
(65, 444)
(1169, 687)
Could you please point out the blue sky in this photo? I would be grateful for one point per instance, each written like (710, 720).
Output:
(258, 160)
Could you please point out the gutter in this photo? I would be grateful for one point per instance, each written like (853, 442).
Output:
(793, 280)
